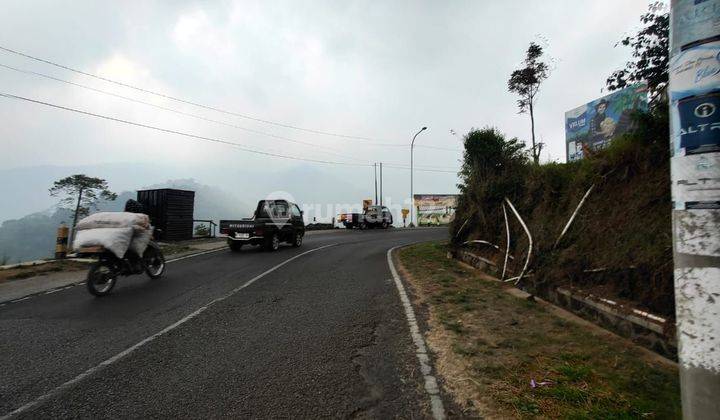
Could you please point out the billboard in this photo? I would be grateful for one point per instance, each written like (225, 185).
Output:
(593, 125)
(435, 209)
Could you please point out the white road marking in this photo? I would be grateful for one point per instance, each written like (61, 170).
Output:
(69, 384)
(196, 255)
(52, 291)
(431, 385)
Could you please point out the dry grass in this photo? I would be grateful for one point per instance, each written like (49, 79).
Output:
(490, 345)
(38, 270)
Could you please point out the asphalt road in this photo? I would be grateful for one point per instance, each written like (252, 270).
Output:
(324, 335)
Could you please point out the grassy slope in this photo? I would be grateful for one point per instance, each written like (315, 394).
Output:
(489, 345)
(624, 226)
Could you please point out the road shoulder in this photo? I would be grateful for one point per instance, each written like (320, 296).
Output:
(503, 356)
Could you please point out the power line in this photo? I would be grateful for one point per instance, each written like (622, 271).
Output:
(180, 133)
(189, 135)
(212, 108)
(388, 165)
(191, 103)
(250, 130)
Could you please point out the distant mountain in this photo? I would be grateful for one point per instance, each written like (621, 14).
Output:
(33, 237)
(28, 193)
(30, 238)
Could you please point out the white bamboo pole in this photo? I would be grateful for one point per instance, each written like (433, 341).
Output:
(530, 241)
(567, 226)
(507, 241)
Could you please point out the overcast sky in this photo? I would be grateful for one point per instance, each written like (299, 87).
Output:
(374, 69)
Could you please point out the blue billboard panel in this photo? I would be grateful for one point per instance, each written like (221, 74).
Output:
(594, 125)
(700, 124)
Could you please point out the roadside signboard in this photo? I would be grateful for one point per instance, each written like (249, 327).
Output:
(435, 209)
(367, 203)
(593, 126)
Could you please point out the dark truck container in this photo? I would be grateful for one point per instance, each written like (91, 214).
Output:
(274, 221)
(170, 211)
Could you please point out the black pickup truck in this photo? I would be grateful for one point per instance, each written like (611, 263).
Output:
(274, 221)
(373, 216)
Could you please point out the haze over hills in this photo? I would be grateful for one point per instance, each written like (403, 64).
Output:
(25, 190)
(33, 236)
(30, 216)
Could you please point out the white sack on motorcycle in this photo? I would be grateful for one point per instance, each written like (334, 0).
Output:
(140, 241)
(115, 240)
(138, 221)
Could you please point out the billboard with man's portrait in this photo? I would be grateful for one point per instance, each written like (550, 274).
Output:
(594, 125)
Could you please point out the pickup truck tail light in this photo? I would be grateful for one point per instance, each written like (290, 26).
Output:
(224, 231)
(259, 232)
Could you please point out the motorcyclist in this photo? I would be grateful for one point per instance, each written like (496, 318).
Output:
(132, 206)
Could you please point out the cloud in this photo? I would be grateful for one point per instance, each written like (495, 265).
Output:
(374, 69)
(194, 31)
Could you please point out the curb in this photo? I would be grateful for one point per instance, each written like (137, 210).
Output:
(431, 383)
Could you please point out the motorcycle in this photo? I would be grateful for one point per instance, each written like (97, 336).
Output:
(103, 273)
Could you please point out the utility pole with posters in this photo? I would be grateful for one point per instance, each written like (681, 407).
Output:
(694, 94)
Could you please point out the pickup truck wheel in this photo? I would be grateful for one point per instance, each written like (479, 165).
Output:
(363, 226)
(384, 225)
(298, 239)
(235, 246)
(272, 243)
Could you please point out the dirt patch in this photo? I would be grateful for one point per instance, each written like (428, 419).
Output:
(491, 347)
(28, 271)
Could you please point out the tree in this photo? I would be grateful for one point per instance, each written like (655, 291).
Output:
(650, 55)
(494, 167)
(526, 83)
(82, 191)
(489, 153)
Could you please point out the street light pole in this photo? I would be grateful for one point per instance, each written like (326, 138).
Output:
(412, 201)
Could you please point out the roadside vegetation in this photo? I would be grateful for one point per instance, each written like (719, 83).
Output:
(502, 356)
(27, 271)
(620, 244)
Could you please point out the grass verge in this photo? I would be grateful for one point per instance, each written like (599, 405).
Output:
(491, 345)
(27, 271)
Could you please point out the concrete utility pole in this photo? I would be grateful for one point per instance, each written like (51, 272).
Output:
(375, 172)
(694, 95)
(381, 182)
(412, 202)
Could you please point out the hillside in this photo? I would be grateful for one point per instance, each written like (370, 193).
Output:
(620, 244)
(33, 236)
